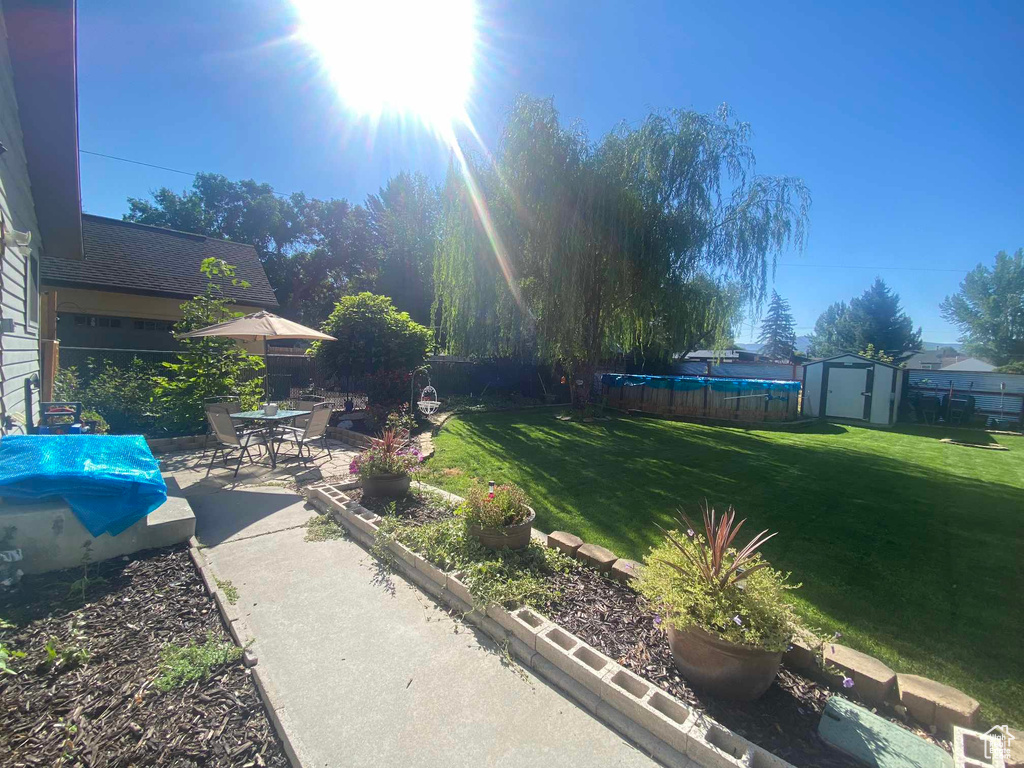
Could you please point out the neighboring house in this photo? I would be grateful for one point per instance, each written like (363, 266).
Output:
(969, 364)
(722, 356)
(40, 200)
(128, 290)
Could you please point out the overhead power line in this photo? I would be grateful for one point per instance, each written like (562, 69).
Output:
(193, 174)
(876, 268)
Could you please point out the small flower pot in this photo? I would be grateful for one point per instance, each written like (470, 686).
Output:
(724, 669)
(388, 486)
(507, 537)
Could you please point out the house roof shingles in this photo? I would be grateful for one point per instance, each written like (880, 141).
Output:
(125, 257)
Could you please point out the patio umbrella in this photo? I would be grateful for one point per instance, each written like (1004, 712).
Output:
(259, 326)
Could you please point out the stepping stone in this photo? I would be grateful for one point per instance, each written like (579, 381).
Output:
(596, 557)
(874, 741)
(566, 542)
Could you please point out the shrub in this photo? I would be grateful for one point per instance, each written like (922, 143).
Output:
(120, 399)
(210, 365)
(388, 388)
(507, 506)
(695, 579)
(387, 456)
(372, 335)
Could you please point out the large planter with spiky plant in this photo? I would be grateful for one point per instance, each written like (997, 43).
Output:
(384, 468)
(724, 609)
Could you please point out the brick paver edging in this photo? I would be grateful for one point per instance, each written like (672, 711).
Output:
(650, 717)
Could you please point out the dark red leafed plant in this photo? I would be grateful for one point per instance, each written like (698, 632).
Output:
(710, 554)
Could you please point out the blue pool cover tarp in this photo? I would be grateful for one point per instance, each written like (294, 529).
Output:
(109, 481)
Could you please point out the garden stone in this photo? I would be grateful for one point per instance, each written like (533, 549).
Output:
(566, 542)
(596, 557)
(624, 570)
(933, 703)
(873, 681)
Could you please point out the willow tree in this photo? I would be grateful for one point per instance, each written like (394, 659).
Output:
(573, 249)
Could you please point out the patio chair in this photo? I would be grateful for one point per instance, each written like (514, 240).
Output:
(315, 429)
(305, 404)
(230, 440)
(227, 403)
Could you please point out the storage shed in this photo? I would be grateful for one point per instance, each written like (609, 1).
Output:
(852, 387)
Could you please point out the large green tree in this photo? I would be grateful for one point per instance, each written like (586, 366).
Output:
(578, 249)
(874, 320)
(989, 310)
(403, 224)
(778, 334)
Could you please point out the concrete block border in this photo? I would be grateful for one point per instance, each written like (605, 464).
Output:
(646, 715)
(240, 633)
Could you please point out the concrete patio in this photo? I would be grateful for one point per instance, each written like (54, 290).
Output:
(365, 671)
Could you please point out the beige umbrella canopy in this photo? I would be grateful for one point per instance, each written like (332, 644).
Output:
(259, 326)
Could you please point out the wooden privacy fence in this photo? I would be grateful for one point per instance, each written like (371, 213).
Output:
(713, 398)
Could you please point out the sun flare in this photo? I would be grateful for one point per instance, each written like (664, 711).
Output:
(396, 57)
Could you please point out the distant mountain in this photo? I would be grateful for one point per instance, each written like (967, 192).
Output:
(803, 342)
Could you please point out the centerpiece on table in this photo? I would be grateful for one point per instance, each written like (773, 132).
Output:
(385, 468)
(499, 517)
(724, 609)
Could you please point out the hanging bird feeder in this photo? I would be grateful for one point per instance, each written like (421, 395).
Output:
(428, 402)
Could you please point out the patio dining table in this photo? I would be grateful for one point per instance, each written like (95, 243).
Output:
(283, 415)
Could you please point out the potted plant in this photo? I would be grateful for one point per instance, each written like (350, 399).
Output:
(499, 518)
(724, 609)
(385, 467)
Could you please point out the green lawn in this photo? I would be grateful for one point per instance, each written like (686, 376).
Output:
(912, 548)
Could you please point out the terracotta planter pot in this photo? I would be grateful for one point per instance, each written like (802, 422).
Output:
(728, 670)
(388, 486)
(506, 537)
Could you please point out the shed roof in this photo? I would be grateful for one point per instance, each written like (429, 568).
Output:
(849, 354)
(126, 257)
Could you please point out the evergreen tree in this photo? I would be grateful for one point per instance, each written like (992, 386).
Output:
(874, 319)
(778, 334)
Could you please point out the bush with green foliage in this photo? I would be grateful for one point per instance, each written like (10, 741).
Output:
(387, 456)
(698, 579)
(372, 335)
(120, 399)
(507, 506)
(208, 366)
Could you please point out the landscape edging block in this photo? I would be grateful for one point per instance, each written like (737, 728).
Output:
(620, 698)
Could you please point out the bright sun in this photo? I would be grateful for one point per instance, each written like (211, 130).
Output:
(402, 57)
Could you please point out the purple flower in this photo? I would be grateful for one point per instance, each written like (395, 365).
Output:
(657, 621)
(837, 635)
(847, 682)
(690, 533)
(737, 621)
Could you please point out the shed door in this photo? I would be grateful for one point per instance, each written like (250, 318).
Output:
(846, 393)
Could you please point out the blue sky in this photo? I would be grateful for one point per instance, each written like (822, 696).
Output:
(903, 118)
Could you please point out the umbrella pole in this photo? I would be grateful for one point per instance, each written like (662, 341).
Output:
(266, 363)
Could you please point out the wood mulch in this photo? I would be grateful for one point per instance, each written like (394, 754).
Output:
(108, 712)
(612, 618)
(415, 508)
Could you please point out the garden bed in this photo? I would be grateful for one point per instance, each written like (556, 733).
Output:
(108, 709)
(611, 617)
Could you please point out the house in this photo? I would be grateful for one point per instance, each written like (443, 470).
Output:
(40, 199)
(969, 364)
(127, 291)
(722, 356)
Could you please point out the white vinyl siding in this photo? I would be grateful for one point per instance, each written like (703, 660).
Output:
(19, 350)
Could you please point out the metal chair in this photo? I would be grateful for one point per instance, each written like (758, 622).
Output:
(230, 440)
(315, 429)
(229, 403)
(305, 404)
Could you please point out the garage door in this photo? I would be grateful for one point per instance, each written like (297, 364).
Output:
(845, 397)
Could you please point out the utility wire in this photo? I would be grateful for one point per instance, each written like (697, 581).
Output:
(860, 266)
(153, 165)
